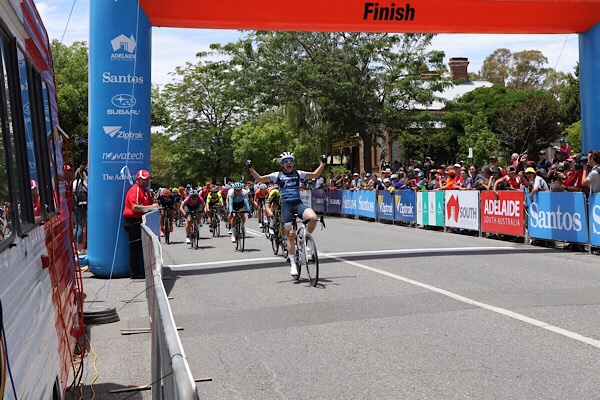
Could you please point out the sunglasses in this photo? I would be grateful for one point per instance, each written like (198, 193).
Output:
(287, 160)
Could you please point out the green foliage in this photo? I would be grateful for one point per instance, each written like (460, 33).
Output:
(570, 105)
(480, 138)
(71, 71)
(523, 70)
(573, 136)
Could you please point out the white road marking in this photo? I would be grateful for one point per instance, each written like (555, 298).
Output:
(253, 232)
(508, 313)
(235, 262)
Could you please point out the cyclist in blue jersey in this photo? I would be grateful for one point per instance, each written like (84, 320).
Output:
(288, 181)
(237, 199)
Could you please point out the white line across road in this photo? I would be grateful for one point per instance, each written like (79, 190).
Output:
(508, 313)
(253, 232)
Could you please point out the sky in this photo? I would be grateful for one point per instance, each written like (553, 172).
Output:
(174, 47)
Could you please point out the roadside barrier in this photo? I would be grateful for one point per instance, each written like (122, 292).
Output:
(171, 375)
(559, 216)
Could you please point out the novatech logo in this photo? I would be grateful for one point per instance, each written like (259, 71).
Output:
(123, 100)
(115, 131)
(125, 156)
(123, 48)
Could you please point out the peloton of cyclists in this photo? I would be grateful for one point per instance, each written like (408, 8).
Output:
(214, 200)
(167, 202)
(237, 199)
(288, 181)
(192, 204)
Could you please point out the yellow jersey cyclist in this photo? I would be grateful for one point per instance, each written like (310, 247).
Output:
(288, 181)
(272, 204)
(213, 200)
(237, 199)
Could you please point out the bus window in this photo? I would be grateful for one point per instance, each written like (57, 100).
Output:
(7, 205)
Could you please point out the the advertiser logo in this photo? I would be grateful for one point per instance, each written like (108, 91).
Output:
(117, 132)
(123, 100)
(123, 48)
(453, 208)
(384, 208)
(114, 157)
(107, 77)
(365, 205)
(334, 202)
(555, 219)
(349, 203)
(404, 209)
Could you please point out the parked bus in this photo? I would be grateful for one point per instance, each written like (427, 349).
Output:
(41, 313)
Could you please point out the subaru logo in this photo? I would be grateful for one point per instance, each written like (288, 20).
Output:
(123, 100)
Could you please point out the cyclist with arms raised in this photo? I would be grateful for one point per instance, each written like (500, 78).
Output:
(237, 200)
(213, 200)
(192, 203)
(288, 181)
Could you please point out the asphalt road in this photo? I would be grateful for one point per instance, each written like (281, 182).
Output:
(399, 313)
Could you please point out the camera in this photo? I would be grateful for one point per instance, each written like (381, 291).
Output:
(580, 161)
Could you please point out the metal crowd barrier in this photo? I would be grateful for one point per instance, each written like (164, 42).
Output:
(171, 375)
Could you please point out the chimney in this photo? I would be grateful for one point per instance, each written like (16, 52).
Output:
(458, 68)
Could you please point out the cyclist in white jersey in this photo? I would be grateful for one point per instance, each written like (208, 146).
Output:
(288, 181)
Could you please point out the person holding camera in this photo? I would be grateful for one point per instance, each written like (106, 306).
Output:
(591, 171)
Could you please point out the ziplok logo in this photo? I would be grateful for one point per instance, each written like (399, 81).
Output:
(134, 158)
(123, 100)
(116, 131)
(123, 48)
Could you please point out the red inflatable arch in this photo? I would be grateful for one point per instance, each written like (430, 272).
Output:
(418, 16)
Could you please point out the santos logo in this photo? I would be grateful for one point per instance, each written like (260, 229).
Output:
(123, 100)
(349, 204)
(125, 156)
(596, 219)
(107, 77)
(115, 131)
(366, 205)
(554, 219)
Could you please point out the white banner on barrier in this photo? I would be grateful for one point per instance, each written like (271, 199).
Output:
(462, 209)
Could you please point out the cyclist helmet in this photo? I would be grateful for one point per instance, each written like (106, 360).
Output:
(286, 156)
(238, 186)
(181, 188)
(166, 192)
(262, 186)
(194, 193)
(175, 190)
(214, 189)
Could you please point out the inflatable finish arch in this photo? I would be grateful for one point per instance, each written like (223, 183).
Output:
(119, 81)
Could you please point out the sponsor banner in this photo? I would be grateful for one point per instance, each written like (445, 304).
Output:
(349, 199)
(305, 196)
(430, 208)
(557, 216)
(462, 209)
(333, 202)
(366, 201)
(385, 205)
(119, 125)
(503, 213)
(318, 201)
(594, 213)
(405, 204)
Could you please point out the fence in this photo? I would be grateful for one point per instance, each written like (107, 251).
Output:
(564, 216)
(171, 375)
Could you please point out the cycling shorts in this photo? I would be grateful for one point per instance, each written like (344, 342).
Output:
(289, 209)
(260, 201)
(192, 209)
(238, 205)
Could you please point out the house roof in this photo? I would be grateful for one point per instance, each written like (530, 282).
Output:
(453, 92)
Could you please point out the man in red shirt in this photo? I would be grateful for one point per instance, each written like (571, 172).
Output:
(137, 201)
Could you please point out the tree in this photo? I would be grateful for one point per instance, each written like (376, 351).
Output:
(357, 81)
(570, 105)
(479, 137)
(205, 107)
(573, 136)
(524, 70)
(71, 71)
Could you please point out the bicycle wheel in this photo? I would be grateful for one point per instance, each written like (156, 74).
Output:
(311, 260)
(217, 227)
(196, 237)
(242, 237)
(167, 230)
(275, 243)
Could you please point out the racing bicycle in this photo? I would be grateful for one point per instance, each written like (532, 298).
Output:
(215, 225)
(239, 230)
(276, 237)
(167, 224)
(195, 230)
(306, 250)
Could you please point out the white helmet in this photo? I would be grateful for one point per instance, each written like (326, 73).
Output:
(286, 155)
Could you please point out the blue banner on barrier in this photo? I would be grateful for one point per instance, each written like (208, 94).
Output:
(557, 216)
(333, 202)
(349, 202)
(406, 206)
(366, 203)
(318, 200)
(385, 205)
(594, 216)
